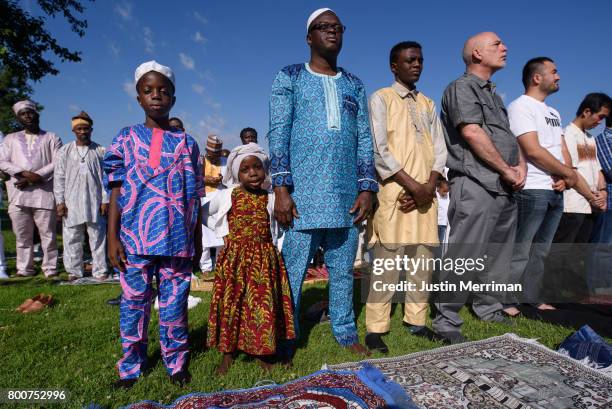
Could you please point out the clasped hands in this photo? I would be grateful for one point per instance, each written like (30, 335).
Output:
(27, 178)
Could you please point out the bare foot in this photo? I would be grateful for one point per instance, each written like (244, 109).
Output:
(512, 311)
(358, 349)
(225, 364)
(545, 307)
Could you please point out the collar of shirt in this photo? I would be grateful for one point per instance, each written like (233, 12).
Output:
(608, 132)
(482, 83)
(580, 131)
(403, 91)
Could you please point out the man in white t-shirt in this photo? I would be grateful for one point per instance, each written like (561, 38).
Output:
(566, 265)
(540, 204)
(577, 222)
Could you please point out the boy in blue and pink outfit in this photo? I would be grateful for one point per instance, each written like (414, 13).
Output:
(155, 173)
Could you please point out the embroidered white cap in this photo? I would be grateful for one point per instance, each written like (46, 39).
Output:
(153, 65)
(25, 104)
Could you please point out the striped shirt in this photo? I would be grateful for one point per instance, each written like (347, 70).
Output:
(604, 153)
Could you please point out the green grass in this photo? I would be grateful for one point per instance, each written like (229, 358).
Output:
(75, 344)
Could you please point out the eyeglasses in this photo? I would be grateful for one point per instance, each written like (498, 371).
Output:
(327, 27)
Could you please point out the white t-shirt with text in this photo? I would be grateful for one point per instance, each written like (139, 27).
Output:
(527, 114)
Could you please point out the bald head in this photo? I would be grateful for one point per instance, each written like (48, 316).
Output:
(475, 43)
(485, 51)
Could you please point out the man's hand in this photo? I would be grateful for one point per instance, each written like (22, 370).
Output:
(116, 254)
(510, 177)
(21, 183)
(61, 210)
(521, 170)
(407, 203)
(213, 180)
(600, 200)
(362, 207)
(558, 184)
(423, 193)
(604, 195)
(284, 207)
(31, 177)
(570, 178)
(104, 209)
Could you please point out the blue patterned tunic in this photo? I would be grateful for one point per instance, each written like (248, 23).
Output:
(159, 207)
(320, 144)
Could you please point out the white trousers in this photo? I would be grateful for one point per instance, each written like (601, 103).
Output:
(206, 261)
(2, 258)
(74, 238)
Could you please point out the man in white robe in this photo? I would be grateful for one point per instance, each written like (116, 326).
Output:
(27, 156)
(82, 201)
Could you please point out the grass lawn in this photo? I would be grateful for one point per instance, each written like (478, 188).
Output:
(75, 344)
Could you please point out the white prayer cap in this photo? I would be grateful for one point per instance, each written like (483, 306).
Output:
(153, 65)
(26, 103)
(236, 157)
(316, 14)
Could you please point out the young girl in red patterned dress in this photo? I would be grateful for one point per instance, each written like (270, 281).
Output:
(251, 309)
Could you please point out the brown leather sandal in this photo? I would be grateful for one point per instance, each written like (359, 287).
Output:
(44, 301)
(27, 303)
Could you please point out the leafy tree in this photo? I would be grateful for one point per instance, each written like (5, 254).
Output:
(13, 88)
(25, 48)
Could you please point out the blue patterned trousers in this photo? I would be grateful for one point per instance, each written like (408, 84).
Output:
(173, 277)
(340, 246)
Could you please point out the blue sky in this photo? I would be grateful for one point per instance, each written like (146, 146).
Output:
(225, 54)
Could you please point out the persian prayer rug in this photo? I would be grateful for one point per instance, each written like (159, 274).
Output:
(500, 372)
(364, 388)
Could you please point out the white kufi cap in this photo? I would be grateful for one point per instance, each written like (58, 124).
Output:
(316, 14)
(153, 65)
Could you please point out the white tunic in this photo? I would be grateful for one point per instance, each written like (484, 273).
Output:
(78, 183)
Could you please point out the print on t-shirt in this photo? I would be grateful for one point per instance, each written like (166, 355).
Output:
(526, 115)
(555, 122)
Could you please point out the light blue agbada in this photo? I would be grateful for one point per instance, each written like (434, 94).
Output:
(321, 149)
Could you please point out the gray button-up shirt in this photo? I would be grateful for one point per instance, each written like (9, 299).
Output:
(472, 100)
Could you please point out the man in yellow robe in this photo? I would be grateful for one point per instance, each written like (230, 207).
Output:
(410, 155)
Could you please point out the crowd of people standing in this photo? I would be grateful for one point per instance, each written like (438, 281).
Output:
(509, 181)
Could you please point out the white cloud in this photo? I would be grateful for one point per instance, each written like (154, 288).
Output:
(200, 18)
(212, 124)
(187, 61)
(74, 108)
(197, 88)
(124, 10)
(129, 87)
(148, 40)
(199, 38)
(114, 50)
(502, 95)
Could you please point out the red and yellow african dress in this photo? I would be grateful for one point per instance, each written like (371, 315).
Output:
(251, 306)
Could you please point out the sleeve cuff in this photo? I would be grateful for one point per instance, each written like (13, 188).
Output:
(281, 179)
(367, 185)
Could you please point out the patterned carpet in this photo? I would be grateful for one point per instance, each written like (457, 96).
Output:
(500, 372)
(364, 388)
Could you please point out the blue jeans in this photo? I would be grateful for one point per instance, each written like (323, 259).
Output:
(441, 233)
(539, 213)
(599, 262)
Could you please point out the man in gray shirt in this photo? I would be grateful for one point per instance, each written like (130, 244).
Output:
(485, 167)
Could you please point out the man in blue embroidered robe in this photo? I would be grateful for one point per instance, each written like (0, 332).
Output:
(322, 168)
